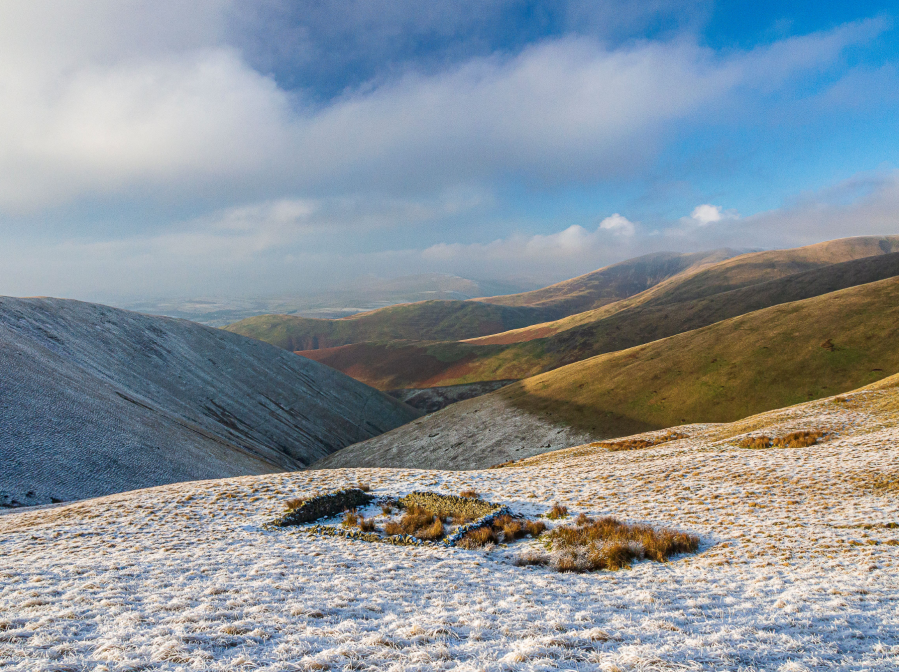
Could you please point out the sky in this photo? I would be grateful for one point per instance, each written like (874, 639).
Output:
(156, 148)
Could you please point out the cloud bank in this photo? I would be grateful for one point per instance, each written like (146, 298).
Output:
(165, 147)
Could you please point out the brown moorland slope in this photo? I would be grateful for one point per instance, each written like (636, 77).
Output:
(735, 368)
(705, 280)
(422, 321)
(612, 283)
(389, 366)
(459, 320)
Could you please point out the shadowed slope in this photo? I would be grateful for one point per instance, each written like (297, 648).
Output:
(732, 369)
(389, 366)
(95, 400)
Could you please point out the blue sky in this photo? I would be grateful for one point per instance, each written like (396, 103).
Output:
(217, 148)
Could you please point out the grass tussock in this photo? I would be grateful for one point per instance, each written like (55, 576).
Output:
(354, 519)
(802, 439)
(364, 487)
(293, 504)
(478, 538)
(606, 543)
(638, 444)
(503, 529)
(417, 522)
(470, 494)
(558, 511)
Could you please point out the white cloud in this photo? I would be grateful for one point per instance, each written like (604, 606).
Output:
(126, 99)
(618, 224)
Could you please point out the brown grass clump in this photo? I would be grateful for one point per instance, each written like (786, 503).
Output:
(478, 538)
(607, 543)
(293, 504)
(558, 511)
(432, 532)
(638, 444)
(364, 487)
(502, 529)
(470, 494)
(387, 508)
(535, 527)
(417, 522)
(351, 519)
(355, 519)
(802, 439)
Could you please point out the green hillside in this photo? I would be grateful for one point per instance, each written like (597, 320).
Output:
(612, 283)
(424, 321)
(767, 359)
(390, 366)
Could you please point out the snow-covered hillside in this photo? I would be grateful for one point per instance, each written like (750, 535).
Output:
(95, 400)
(797, 569)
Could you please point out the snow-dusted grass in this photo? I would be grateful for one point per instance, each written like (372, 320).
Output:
(796, 569)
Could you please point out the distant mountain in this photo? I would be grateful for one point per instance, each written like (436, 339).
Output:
(693, 299)
(737, 367)
(364, 294)
(96, 400)
(612, 283)
(425, 321)
(459, 320)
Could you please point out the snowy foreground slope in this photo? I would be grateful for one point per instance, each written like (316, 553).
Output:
(95, 400)
(798, 569)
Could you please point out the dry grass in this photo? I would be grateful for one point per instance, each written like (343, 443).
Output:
(884, 482)
(355, 519)
(558, 511)
(470, 494)
(417, 522)
(478, 538)
(502, 529)
(364, 487)
(294, 504)
(607, 544)
(638, 444)
(802, 439)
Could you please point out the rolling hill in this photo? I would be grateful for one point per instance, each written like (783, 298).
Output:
(734, 368)
(644, 319)
(423, 321)
(95, 400)
(459, 320)
(612, 283)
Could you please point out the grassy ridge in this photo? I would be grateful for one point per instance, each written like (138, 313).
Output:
(767, 359)
(389, 366)
(612, 283)
(424, 321)
(707, 279)
(460, 320)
